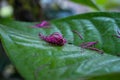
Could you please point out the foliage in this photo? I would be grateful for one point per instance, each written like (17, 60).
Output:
(91, 3)
(37, 60)
(101, 5)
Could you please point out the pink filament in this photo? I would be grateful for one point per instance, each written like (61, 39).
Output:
(88, 44)
(55, 38)
(43, 24)
(118, 36)
(91, 46)
(81, 37)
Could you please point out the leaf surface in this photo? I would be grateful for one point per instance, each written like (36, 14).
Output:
(37, 60)
(91, 3)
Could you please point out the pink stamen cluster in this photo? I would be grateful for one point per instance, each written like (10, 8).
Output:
(43, 24)
(91, 46)
(55, 38)
(88, 45)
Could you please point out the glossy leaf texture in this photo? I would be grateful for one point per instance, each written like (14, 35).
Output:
(37, 60)
(91, 3)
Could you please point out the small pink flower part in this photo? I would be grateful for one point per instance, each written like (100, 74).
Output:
(91, 46)
(118, 36)
(81, 37)
(43, 24)
(55, 38)
(88, 44)
(95, 49)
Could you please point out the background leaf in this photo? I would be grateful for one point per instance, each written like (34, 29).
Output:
(36, 59)
(91, 3)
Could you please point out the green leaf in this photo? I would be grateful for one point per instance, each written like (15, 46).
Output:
(37, 60)
(108, 5)
(91, 3)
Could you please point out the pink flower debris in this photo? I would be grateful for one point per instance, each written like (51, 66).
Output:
(43, 24)
(118, 36)
(88, 44)
(55, 38)
(91, 46)
(81, 37)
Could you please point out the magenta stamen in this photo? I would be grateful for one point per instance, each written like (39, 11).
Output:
(91, 46)
(78, 34)
(95, 49)
(43, 24)
(118, 36)
(88, 44)
(55, 38)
